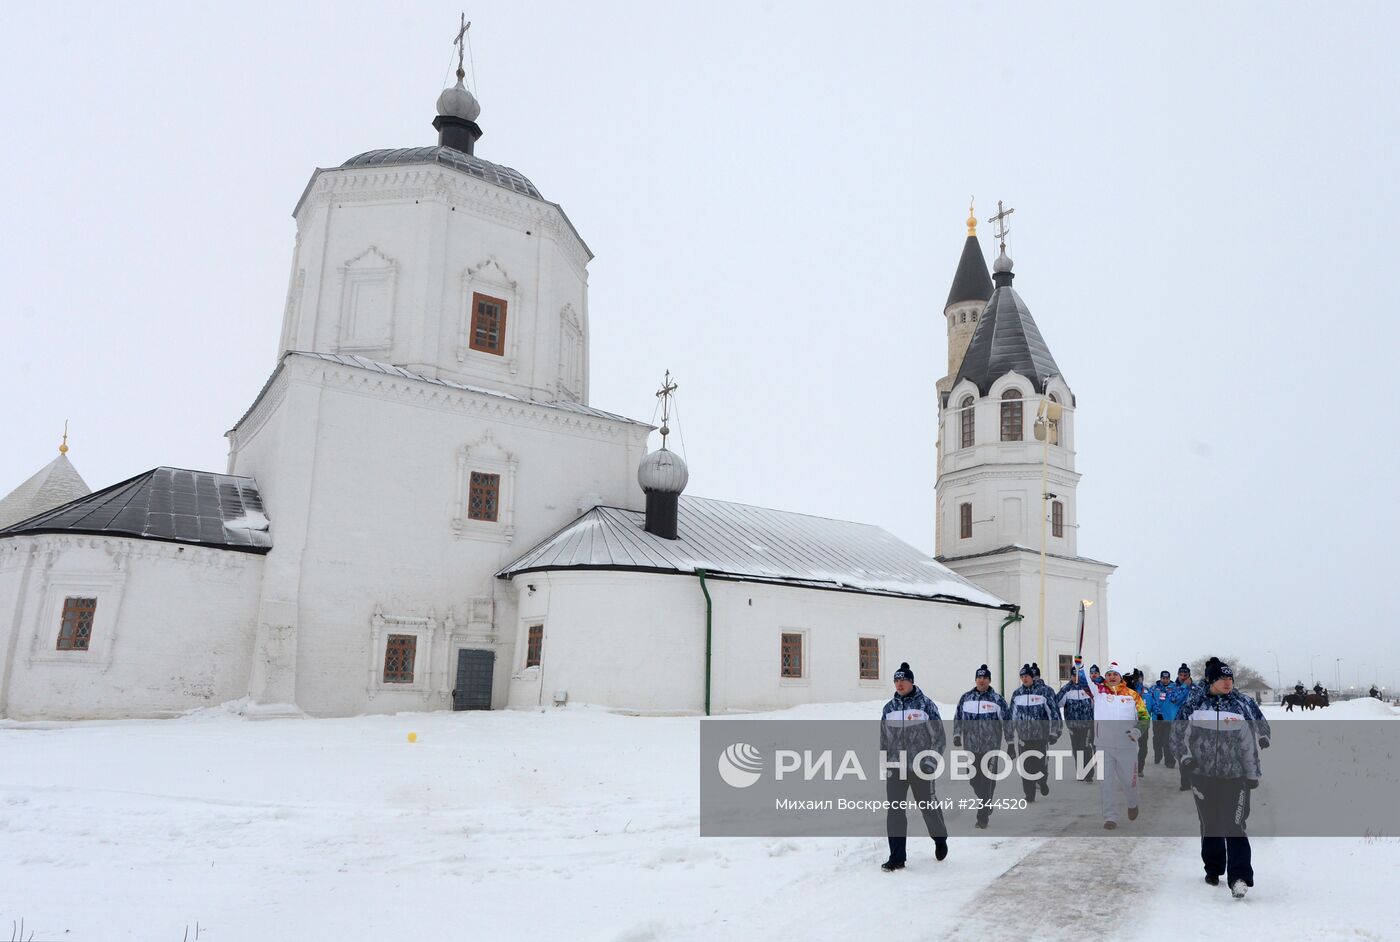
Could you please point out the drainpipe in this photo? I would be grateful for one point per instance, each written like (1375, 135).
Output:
(709, 637)
(1011, 618)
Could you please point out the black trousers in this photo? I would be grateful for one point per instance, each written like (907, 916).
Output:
(1033, 764)
(897, 786)
(983, 785)
(1162, 743)
(1081, 740)
(1222, 804)
(1142, 752)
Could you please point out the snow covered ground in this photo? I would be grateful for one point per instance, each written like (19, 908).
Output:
(568, 824)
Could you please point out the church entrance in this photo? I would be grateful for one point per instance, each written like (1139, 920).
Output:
(475, 669)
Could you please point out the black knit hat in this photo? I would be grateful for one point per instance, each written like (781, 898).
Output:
(983, 672)
(1093, 668)
(1216, 669)
(1035, 669)
(1026, 671)
(904, 672)
(1164, 675)
(1183, 669)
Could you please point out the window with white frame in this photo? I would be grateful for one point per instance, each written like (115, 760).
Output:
(483, 506)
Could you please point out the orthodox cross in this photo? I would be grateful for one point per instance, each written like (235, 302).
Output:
(667, 390)
(999, 220)
(460, 43)
(63, 449)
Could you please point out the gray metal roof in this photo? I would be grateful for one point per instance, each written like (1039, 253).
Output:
(972, 281)
(55, 484)
(173, 505)
(388, 369)
(739, 541)
(1006, 339)
(449, 157)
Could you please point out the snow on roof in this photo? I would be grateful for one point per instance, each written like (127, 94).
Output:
(387, 369)
(166, 504)
(753, 543)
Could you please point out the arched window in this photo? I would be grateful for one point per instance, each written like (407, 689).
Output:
(968, 415)
(1057, 518)
(1011, 416)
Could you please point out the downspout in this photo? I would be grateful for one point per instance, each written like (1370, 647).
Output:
(709, 636)
(1011, 618)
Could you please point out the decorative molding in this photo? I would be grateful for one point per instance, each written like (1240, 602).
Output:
(108, 587)
(432, 182)
(482, 404)
(490, 278)
(570, 354)
(363, 278)
(261, 411)
(121, 549)
(487, 456)
(429, 632)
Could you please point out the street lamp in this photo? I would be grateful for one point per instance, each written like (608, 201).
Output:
(1339, 676)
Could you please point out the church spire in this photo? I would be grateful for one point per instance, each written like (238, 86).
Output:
(457, 108)
(971, 282)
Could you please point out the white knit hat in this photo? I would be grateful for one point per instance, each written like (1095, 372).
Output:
(1113, 668)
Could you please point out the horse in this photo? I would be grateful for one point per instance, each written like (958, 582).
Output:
(1295, 700)
(1317, 700)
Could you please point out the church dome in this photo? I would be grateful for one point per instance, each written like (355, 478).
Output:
(501, 176)
(663, 471)
(457, 102)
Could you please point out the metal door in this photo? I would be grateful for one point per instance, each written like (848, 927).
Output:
(474, 673)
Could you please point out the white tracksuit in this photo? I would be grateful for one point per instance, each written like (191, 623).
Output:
(1116, 736)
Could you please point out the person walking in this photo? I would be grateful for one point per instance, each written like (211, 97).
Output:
(1218, 734)
(1162, 707)
(1185, 687)
(980, 726)
(1120, 720)
(1134, 680)
(1035, 722)
(1078, 709)
(909, 725)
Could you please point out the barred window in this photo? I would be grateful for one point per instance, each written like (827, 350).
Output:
(869, 658)
(75, 630)
(488, 324)
(534, 644)
(1057, 518)
(792, 654)
(1066, 668)
(1011, 416)
(965, 521)
(398, 659)
(968, 416)
(484, 497)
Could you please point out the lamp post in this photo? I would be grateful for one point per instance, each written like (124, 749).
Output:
(1339, 676)
(1047, 431)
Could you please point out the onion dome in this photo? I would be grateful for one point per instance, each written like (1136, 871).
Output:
(663, 471)
(457, 102)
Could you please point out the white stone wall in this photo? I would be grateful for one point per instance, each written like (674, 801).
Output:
(1015, 576)
(364, 477)
(1002, 480)
(173, 629)
(387, 260)
(636, 641)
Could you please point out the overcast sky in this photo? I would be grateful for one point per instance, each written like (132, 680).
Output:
(1205, 204)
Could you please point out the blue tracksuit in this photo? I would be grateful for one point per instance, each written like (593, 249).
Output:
(980, 720)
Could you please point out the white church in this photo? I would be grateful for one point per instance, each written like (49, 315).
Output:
(504, 543)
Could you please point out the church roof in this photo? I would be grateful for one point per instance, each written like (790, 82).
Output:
(56, 483)
(972, 281)
(165, 504)
(387, 369)
(747, 543)
(448, 157)
(1006, 339)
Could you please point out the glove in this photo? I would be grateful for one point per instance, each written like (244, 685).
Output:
(1054, 739)
(1188, 764)
(957, 742)
(1011, 749)
(1133, 734)
(1252, 783)
(1263, 744)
